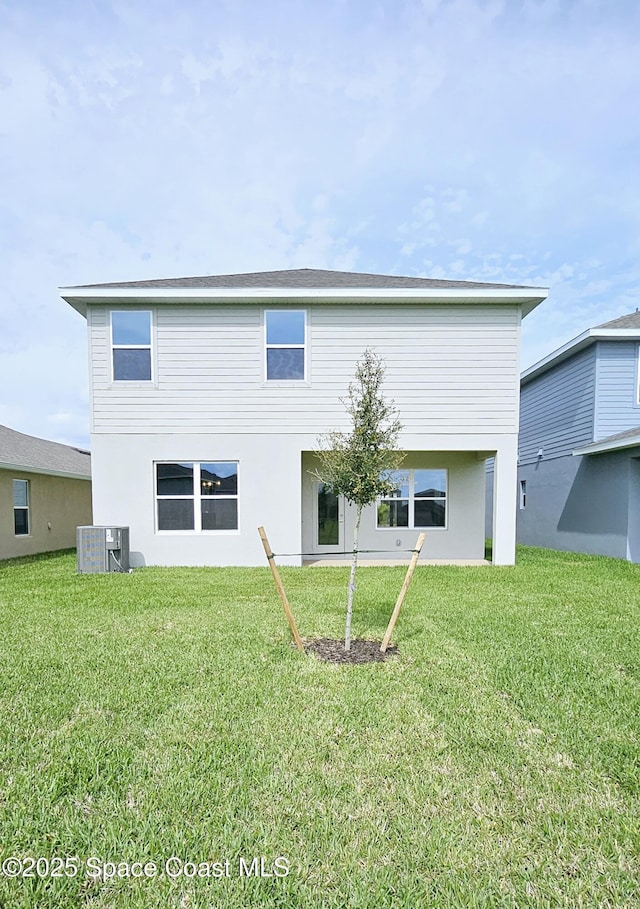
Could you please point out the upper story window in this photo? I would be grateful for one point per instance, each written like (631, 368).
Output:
(21, 508)
(285, 333)
(419, 500)
(131, 345)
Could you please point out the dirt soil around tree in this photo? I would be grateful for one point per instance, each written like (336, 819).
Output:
(332, 651)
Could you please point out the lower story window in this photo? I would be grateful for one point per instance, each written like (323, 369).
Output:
(419, 499)
(523, 494)
(21, 508)
(197, 495)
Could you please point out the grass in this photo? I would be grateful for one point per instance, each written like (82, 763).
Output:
(493, 763)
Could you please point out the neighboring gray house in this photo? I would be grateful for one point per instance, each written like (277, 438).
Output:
(579, 452)
(208, 395)
(45, 493)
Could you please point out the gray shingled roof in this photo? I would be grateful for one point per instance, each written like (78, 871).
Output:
(18, 450)
(632, 320)
(303, 277)
(620, 436)
(630, 438)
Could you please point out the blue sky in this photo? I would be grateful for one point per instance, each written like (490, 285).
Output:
(493, 140)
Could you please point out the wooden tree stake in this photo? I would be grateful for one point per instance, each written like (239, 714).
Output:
(403, 593)
(283, 597)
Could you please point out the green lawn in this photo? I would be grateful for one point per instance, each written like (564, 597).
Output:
(494, 762)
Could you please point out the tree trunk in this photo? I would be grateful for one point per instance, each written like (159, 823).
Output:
(352, 579)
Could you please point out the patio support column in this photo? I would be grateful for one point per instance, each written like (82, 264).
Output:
(505, 488)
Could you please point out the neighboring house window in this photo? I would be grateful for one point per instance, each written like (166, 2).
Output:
(131, 344)
(197, 496)
(285, 332)
(523, 494)
(21, 508)
(419, 500)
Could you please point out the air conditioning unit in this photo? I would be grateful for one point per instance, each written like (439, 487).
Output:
(102, 549)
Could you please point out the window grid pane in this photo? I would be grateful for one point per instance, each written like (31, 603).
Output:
(429, 513)
(219, 514)
(219, 479)
(400, 479)
(430, 484)
(284, 328)
(21, 493)
(21, 522)
(393, 513)
(131, 364)
(175, 479)
(131, 328)
(285, 363)
(175, 514)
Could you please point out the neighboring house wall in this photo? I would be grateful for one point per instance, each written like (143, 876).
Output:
(581, 503)
(616, 399)
(556, 416)
(577, 504)
(57, 505)
(557, 409)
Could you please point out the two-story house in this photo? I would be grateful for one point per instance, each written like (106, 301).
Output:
(208, 395)
(579, 463)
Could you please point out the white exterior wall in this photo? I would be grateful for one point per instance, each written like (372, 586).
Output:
(269, 494)
(462, 538)
(505, 481)
(449, 369)
(276, 491)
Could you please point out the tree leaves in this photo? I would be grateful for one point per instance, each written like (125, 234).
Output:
(358, 464)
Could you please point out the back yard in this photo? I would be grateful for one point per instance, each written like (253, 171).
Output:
(158, 733)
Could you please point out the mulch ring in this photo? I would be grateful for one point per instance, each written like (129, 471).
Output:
(333, 651)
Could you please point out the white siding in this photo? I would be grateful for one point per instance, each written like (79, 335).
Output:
(449, 369)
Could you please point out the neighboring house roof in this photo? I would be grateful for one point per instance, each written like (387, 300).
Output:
(32, 455)
(630, 438)
(624, 328)
(301, 283)
(632, 320)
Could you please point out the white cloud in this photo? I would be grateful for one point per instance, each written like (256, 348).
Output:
(457, 138)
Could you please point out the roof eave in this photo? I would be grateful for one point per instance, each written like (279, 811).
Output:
(69, 475)
(604, 446)
(577, 344)
(80, 298)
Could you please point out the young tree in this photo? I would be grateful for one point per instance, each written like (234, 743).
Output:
(358, 464)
